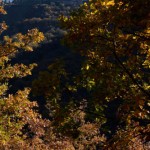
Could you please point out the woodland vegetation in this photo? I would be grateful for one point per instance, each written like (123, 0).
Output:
(99, 102)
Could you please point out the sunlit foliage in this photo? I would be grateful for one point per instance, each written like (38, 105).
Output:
(105, 105)
(114, 37)
(20, 124)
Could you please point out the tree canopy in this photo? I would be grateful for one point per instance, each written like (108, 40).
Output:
(18, 119)
(112, 88)
(114, 37)
(103, 106)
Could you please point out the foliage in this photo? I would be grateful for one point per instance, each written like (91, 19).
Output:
(113, 38)
(104, 106)
(21, 126)
(44, 17)
(66, 114)
(17, 117)
(19, 120)
(116, 48)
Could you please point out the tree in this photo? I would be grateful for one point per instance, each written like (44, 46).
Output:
(114, 37)
(20, 124)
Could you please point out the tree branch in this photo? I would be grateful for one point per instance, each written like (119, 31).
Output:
(123, 66)
(127, 71)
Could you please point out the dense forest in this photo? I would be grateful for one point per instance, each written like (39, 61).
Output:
(75, 75)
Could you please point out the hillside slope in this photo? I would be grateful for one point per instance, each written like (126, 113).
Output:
(21, 18)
